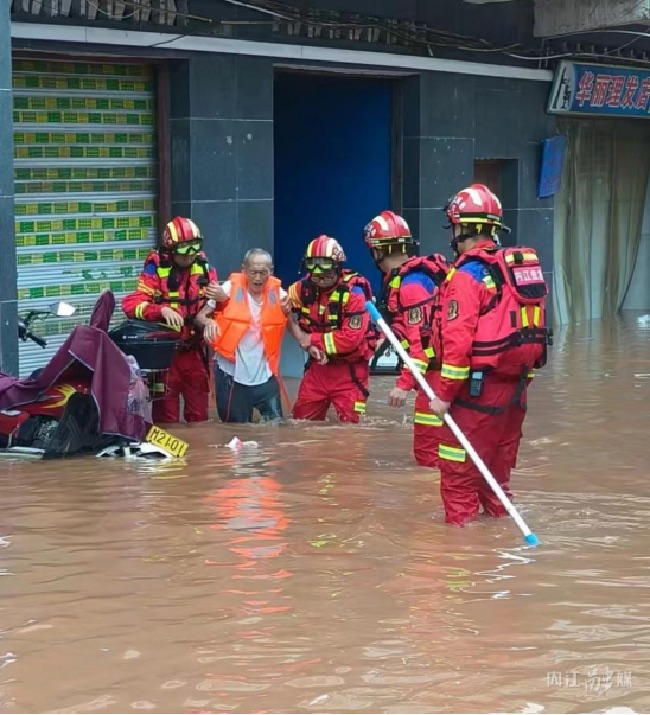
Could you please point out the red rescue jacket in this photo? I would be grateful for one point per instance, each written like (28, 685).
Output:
(163, 284)
(337, 318)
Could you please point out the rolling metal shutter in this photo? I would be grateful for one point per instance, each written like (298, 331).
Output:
(85, 188)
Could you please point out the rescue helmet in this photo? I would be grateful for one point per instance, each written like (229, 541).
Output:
(477, 208)
(386, 230)
(323, 254)
(182, 236)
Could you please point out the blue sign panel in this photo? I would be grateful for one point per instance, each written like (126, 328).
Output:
(553, 153)
(600, 90)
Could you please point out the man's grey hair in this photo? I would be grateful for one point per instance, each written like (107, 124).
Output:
(257, 252)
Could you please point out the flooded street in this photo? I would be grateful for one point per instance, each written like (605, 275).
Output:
(314, 572)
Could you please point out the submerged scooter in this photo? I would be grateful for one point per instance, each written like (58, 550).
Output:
(90, 398)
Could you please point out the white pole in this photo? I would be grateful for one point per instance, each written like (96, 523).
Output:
(529, 537)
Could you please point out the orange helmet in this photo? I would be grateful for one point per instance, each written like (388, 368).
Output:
(181, 231)
(323, 254)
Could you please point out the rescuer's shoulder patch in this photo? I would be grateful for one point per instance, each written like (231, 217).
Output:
(452, 310)
(356, 321)
(414, 316)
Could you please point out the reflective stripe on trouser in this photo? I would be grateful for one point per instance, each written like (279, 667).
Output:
(187, 376)
(332, 384)
(425, 429)
(495, 437)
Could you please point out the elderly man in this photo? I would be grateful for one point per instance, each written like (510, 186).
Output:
(245, 324)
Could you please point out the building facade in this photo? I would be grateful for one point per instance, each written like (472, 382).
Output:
(263, 144)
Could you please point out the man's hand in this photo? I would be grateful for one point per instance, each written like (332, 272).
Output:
(210, 331)
(318, 355)
(285, 304)
(397, 397)
(172, 318)
(304, 341)
(438, 407)
(215, 292)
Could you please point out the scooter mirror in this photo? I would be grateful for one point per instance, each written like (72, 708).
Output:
(62, 309)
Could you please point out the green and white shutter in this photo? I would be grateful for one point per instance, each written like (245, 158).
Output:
(85, 188)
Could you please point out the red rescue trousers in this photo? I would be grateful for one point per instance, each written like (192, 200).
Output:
(344, 385)
(495, 436)
(187, 376)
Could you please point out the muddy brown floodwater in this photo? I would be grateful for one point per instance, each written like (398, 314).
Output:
(314, 573)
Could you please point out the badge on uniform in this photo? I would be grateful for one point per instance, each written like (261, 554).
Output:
(356, 321)
(452, 310)
(414, 316)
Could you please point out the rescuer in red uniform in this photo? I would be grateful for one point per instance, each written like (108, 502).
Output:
(490, 334)
(409, 288)
(333, 326)
(172, 288)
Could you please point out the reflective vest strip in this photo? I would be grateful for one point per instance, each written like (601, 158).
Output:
(537, 316)
(425, 418)
(510, 258)
(139, 310)
(420, 364)
(330, 345)
(144, 288)
(451, 454)
(360, 407)
(524, 317)
(453, 372)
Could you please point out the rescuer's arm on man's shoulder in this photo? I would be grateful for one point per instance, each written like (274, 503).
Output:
(295, 305)
(459, 318)
(204, 319)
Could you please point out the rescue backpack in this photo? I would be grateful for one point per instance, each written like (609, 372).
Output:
(512, 335)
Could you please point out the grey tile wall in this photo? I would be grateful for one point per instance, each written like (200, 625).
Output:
(222, 152)
(8, 276)
(451, 120)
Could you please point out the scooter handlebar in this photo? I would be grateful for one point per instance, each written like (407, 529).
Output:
(36, 339)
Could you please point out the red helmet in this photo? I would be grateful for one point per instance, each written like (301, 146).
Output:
(323, 255)
(178, 231)
(387, 229)
(475, 206)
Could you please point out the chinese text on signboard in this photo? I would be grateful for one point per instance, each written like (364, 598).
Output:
(600, 90)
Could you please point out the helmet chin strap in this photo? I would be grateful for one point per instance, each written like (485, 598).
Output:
(459, 239)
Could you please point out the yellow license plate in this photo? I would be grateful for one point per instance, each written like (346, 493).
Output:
(174, 446)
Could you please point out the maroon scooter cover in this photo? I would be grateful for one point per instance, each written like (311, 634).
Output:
(90, 346)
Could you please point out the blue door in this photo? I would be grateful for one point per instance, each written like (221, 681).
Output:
(332, 165)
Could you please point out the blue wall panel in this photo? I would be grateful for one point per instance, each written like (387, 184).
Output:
(332, 139)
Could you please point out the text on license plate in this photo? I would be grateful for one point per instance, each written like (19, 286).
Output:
(176, 447)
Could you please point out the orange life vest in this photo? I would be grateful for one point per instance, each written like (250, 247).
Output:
(235, 320)
(512, 334)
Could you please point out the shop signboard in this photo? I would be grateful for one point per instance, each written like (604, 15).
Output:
(600, 90)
